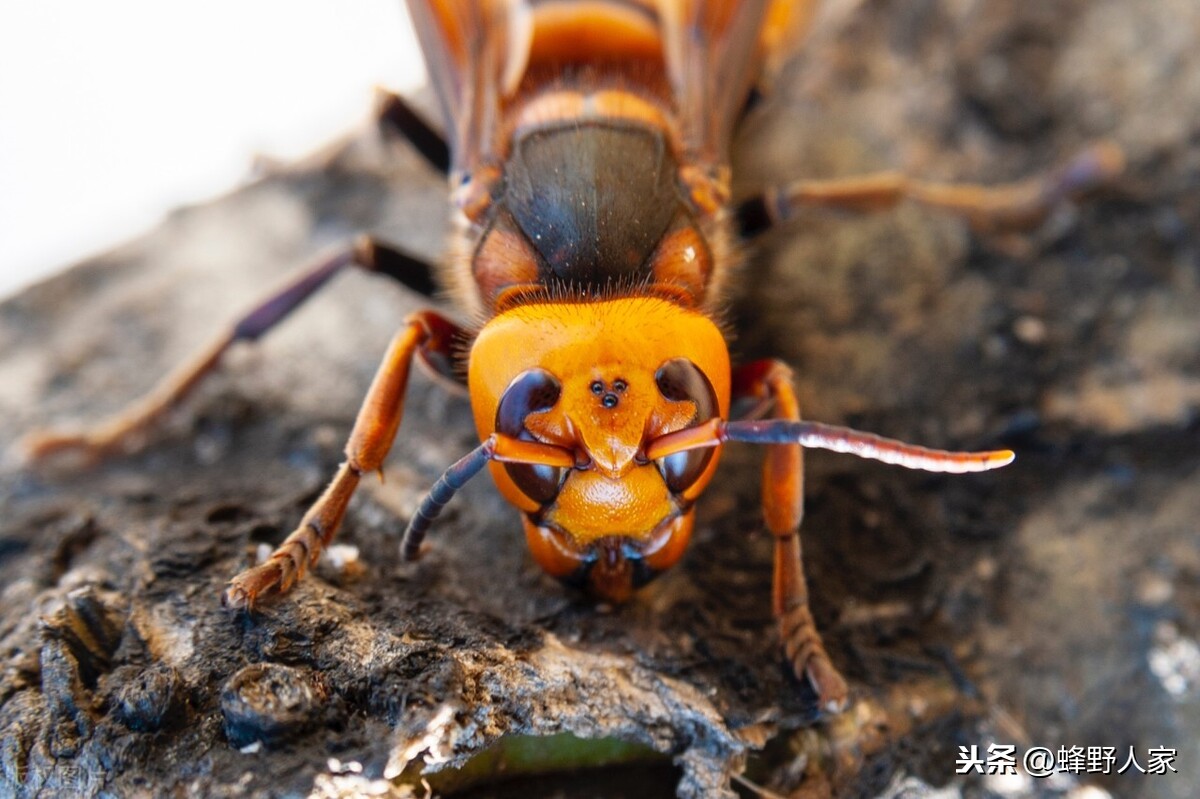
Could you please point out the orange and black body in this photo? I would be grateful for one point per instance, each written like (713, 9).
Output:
(587, 150)
(590, 139)
(594, 236)
(590, 165)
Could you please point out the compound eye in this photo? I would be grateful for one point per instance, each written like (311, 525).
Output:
(680, 380)
(533, 391)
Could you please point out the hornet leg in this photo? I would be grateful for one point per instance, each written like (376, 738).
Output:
(397, 116)
(124, 428)
(988, 209)
(374, 431)
(783, 499)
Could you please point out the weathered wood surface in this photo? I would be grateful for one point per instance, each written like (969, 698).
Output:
(1058, 599)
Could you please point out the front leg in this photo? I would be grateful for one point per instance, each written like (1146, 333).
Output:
(783, 509)
(426, 333)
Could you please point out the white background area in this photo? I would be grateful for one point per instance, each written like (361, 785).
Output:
(112, 113)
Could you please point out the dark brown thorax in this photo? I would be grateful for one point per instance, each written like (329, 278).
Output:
(590, 199)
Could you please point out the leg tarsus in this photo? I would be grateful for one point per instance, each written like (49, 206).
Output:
(123, 430)
(277, 574)
(301, 550)
(802, 643)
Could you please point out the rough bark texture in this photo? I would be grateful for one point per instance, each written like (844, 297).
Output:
(1054, 603)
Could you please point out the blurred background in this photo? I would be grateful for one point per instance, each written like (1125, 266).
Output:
(113, 113)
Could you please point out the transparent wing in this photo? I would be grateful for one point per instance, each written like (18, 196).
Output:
(713, 51)
(468, 47)
(716, 51)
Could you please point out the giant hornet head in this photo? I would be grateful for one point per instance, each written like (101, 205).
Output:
(602, 382)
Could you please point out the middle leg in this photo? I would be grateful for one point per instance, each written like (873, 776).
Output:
(988, 209)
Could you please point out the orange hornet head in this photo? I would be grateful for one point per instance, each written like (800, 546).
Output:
(602, 379)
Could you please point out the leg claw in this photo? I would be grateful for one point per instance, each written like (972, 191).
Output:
(832, 691)
(802, 646)
(245, 589)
